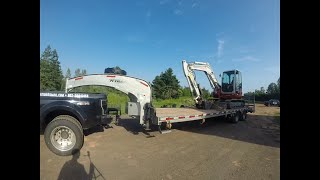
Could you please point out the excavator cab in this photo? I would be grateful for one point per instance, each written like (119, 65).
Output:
(231, 86)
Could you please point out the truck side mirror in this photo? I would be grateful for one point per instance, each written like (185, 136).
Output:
(219, 75)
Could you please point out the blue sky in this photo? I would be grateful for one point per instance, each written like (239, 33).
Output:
(145, 37)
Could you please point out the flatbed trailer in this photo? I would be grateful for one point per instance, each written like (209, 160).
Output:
(140, 104)
(174, 115)
(168, 116)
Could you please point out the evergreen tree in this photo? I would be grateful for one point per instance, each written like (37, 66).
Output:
(50, 71)
(166, 85)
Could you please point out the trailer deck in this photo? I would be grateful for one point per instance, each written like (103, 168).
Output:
(173, 115)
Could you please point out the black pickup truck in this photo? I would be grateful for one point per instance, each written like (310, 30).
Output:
(64, 116)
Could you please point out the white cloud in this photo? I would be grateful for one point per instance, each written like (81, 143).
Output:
(194, 5)
(180, 2)
(177, 12)
(216, 57)
(220, 48)
(246, 58)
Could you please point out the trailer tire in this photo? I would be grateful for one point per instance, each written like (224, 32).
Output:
(243, 116)
(235, 118)
(63, 135)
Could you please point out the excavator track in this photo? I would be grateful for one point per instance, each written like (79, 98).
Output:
(235, 103)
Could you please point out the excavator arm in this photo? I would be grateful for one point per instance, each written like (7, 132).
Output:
(188, 69)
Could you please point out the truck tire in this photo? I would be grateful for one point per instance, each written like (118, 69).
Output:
(243, 116)
(63, 135)
(235, 118)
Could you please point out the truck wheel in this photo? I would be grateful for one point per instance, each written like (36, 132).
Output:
(235, 118)
(63, 135)
(243, 116)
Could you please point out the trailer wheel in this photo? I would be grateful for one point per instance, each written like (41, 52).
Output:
(235, 118)
(63, 135)
(243, 116)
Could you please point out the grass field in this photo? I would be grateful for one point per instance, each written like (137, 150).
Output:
(186, 101)
(121, 100)
(118, 100)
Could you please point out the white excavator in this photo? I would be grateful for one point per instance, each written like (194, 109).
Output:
(229, 93)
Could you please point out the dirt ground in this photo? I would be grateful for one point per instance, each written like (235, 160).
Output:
(215, 150)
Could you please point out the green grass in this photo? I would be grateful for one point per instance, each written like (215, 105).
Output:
(115, 98)
(187, 101)
(121, 100)
(118, 100)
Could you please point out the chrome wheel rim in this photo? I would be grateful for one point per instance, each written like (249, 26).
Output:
(63, 138)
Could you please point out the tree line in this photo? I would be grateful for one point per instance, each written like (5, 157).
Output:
(51, 77)
(272, 92)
